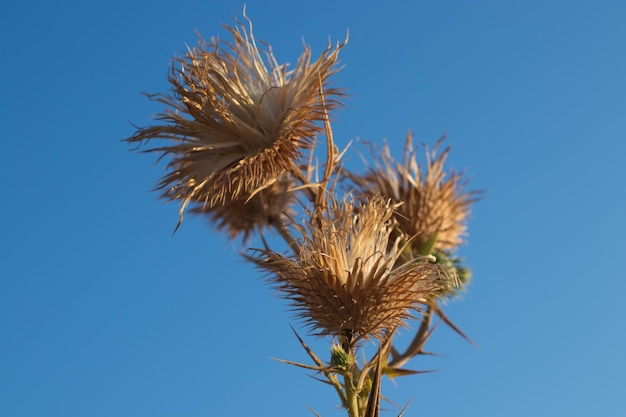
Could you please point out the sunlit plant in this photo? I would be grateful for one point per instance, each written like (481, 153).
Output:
(367, 252)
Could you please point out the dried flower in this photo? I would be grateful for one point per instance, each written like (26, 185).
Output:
(237, 119)
(247, 214)
(343, 282)
(433, 200)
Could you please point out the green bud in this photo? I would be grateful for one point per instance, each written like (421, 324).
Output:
(339, 357)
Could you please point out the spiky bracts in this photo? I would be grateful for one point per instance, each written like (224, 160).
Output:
(434, 201)
(236, 120)
(345, 281)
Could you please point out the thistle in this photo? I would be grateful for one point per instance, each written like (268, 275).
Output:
(236, 120)
(239, 132)
(434, 201)
(345, 281)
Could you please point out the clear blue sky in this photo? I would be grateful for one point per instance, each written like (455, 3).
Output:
(103, 313)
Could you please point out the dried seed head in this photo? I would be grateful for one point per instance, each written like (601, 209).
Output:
(433, 199)
(344, 281)
(244, 215)
(236, 120)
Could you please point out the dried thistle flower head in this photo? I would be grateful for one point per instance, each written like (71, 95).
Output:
(249, 213)
(434, 200)
(344, 281)
(236, 120)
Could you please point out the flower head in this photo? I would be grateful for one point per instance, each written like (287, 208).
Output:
(344, 281)
(434, 201)
(249, 213)
(236, 120)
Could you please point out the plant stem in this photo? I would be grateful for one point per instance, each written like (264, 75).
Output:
(352, 396)
(284, 233)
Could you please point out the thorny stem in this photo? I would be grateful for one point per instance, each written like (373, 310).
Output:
(306, 185)
(320, 201)
(352, 396)
(353, 386)
(417, 343)
(332, 378)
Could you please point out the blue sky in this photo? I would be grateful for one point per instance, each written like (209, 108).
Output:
(104, 313)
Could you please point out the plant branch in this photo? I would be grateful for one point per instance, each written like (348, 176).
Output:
(416, 344)
(320, 200)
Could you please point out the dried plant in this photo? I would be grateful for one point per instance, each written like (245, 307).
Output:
(345, 281)
(252, 212)
(240, 131)
(236, 120)
(434, 201)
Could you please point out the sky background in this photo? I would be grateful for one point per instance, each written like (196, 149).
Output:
(104, 313)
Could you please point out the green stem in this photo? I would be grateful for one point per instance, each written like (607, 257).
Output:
(352, 396)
